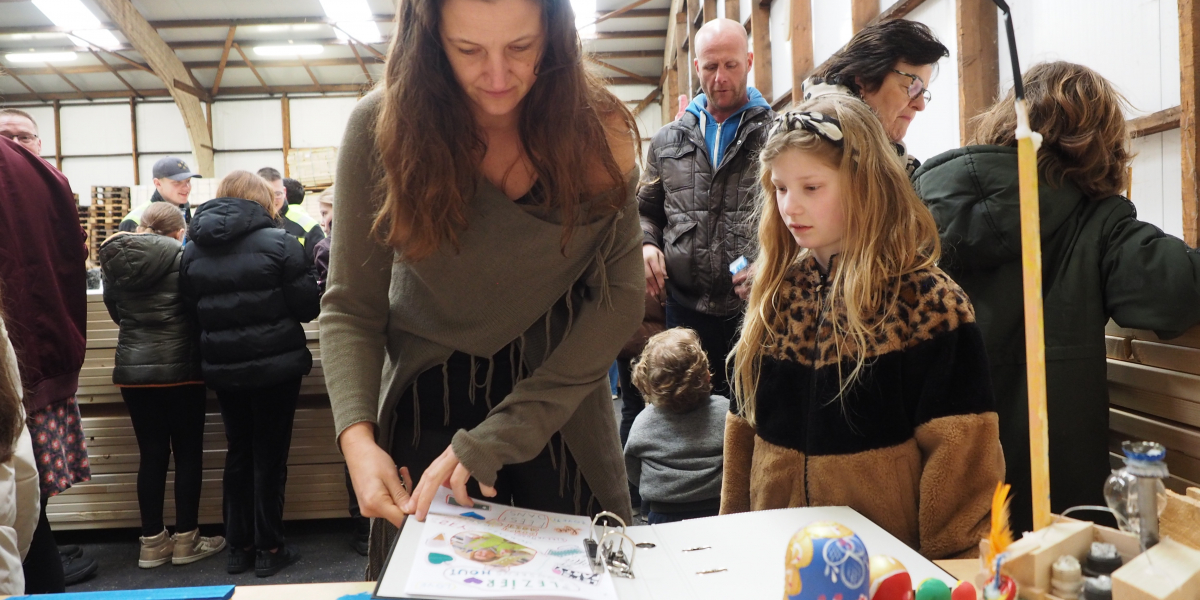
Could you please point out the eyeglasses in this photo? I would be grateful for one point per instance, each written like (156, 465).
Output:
(916, 88)
(20, 138)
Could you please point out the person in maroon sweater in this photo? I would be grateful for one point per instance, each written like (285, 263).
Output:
(42, 269)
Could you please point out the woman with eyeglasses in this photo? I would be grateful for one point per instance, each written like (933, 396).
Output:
(889, 66)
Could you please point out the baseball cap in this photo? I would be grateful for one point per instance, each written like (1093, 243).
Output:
(172, 168)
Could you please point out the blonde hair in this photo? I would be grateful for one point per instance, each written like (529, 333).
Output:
(672, 372)
(162, 218)
(326, 196)
(888, 233)
(248, 186)
(1082, 121)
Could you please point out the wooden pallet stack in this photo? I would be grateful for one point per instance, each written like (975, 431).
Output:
(110, 206)
(316, 482)
(313, 167)
(1154, 394)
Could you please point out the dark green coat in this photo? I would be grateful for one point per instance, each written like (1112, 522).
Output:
(1099, 262)
(159, 341)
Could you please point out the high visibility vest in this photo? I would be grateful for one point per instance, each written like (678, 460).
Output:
(296, 214)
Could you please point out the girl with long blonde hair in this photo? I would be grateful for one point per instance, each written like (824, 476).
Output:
(860, 377)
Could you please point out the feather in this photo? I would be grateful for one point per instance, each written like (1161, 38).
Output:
(1000, 536)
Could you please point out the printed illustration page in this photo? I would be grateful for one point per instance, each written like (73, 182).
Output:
(499, 551)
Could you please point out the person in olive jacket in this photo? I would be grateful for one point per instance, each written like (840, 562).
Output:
(157, 368)
(1098, 260)
(252, 286)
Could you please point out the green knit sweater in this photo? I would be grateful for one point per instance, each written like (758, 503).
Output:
(384, 322)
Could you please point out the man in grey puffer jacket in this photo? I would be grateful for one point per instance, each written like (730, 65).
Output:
(697, 196)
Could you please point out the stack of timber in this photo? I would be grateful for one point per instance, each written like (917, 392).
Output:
(110, 206)
(1154, 395)
(316, 481)
(313, 167)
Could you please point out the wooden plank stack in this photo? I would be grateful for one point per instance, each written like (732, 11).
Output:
(110, 206)
(313, 167)
(316, 482)
(1154, 394)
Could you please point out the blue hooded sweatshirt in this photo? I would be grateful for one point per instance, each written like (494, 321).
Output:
(718, 136)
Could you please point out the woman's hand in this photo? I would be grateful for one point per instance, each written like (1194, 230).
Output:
(447, 471)
(379, 490)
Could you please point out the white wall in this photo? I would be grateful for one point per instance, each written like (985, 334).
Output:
(935, 130)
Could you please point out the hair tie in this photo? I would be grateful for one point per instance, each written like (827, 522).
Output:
(824, 126)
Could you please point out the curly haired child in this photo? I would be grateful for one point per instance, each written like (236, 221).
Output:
(674, 449)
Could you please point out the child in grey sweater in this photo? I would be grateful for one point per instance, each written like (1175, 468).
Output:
(675, 446)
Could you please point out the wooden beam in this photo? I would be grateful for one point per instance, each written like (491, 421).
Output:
(600, 18)
(629, 35)
(129, 61)
(137, 172)
(1163, 120)
(311, 75)
(286, 110)
(207, 97)
(224, 59)
(361, 64)
(631, 74)
(671, 90)
(693, 11)
(640, 13)
(69, 82)
(337, 88)
(208, 116)
(710, 10)
(620, 54)
(1189, 114)
(246, 59)
(189, 88)
(861, 13)
(802, 46)
(58, 135)
(169, 69)
(212, 64)
(196, 23)
(646, 101)
(897, 11)
(672, 44)
(683, 66)
(377, 53)
(978, 62)
(23, 84)
(111, 69)
(732, 10)
(761, 45)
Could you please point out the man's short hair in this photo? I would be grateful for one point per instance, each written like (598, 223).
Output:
(270, 174)
(20, 113)
(294, 189)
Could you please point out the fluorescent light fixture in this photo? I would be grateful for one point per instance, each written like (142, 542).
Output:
(288, 50)
(40, 57)
(36, 36)
(70, 14)
(297, 27)
(102, 38)
(585, 14)
(346, 10)
(366, 32)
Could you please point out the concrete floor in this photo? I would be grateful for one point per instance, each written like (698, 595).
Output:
(324, 547)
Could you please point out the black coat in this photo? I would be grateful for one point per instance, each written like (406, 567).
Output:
(1098, 263)
(252, 287)
(157, 344)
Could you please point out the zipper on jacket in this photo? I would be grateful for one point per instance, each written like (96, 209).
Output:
(822, 295)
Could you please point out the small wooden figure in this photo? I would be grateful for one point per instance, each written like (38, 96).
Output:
(933, 589)
(964, 591)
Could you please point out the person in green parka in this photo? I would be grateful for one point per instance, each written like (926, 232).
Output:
(1099, 262)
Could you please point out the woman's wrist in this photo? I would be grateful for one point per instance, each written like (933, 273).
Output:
(355, 435)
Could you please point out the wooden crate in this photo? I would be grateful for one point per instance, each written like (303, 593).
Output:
(1154, 394)
(316, 480)
(110, 206)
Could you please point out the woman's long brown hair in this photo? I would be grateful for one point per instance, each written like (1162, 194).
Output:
(10, 402)
(430, 146)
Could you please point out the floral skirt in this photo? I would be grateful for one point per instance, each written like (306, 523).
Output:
(59, 447)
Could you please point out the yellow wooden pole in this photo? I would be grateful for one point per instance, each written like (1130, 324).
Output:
(1028, 142)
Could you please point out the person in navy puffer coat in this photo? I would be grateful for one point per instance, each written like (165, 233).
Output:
(252, 287)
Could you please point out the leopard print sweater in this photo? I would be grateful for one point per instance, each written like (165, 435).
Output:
(913, 444)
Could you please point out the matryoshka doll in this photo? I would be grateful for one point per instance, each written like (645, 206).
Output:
(826, 561)
(889, 579)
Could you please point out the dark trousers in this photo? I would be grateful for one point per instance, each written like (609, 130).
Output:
(538, 484)
(655, 518)
(632, 404)
(167, 419)
(258, 429)
(717, 336)
(43, 566)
